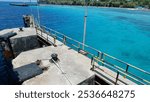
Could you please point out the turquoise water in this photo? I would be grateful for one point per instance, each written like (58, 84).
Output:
(122, 33)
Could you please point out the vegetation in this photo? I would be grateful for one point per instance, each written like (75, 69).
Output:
(104, 3)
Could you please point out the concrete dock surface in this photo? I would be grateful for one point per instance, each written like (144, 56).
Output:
(75, 67)
(71, 69)
(26, 32)
(26, 39)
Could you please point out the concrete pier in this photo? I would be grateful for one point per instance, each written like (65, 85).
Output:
(72, 68)
(69, 70)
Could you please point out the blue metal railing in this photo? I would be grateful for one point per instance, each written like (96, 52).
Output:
(118, 66)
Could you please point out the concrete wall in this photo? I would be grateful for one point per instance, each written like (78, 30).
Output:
(24, 44)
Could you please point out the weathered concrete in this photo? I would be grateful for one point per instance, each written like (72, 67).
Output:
(24, 40)
(104, 73)
(75, 66)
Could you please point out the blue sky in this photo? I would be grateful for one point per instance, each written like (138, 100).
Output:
(19, 0)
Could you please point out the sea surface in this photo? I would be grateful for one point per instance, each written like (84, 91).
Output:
(122, 33)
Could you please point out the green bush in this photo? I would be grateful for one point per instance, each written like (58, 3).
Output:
(108, 3)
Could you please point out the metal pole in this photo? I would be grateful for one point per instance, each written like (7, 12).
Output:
(127, 68)
(30, 7)
(85, 19)
(38, 13)
(117, 78)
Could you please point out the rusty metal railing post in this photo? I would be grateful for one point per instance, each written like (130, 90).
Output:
(79, 50)
(36, 30)
(92, 63)
(101, 56)
(98, 54)
(117, 78)
(64, 40)
(41, 32)
(127, 68)
(92, 59)
(78, 46)
(47, 36)
(54, 40)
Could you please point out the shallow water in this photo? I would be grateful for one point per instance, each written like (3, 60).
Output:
(122, 33)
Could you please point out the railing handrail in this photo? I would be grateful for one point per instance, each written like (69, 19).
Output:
(124, 73)
(99, 51)
(125, 63)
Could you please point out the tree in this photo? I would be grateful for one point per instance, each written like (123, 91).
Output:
(109, 3)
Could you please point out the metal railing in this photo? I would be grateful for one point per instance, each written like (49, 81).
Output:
(120, 67)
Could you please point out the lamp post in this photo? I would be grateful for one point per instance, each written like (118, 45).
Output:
(85, 23)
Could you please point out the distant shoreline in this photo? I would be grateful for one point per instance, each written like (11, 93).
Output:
(142, 9)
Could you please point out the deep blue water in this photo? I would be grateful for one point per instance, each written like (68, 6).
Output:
(122, 33)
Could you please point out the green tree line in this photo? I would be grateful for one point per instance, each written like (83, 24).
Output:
(103, 3)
